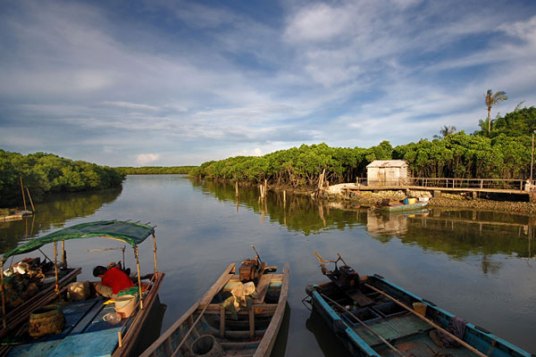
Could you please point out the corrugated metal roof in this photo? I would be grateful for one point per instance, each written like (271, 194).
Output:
(387, 163)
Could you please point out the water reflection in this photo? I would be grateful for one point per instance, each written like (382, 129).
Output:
(53, 213)
(474, 264)
(458, 233)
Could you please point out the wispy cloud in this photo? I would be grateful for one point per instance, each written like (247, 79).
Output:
(190, 82)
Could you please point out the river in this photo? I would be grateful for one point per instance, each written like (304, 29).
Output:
(478, 265)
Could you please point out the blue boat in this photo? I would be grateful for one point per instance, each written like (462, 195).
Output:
(374, 317)
(72, 320)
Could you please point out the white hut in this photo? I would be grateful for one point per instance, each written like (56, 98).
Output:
(387, 173)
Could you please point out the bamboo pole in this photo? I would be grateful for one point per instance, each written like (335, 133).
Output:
(138, 269)
(155, 258)
(22, 191)
(56, 271)
(30, 198)
(454, 337)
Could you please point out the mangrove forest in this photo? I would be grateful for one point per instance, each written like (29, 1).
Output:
(501, 150)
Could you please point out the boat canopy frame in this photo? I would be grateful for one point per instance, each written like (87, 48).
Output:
(129, 232)
(132, 233)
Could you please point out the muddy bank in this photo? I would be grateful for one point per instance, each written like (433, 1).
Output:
(370, 199)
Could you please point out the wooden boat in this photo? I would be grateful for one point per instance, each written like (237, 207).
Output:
(208, 328)
(67, 324)
(403, 207)
(374, 317)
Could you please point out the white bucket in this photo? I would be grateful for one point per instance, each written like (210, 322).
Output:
(125, 305)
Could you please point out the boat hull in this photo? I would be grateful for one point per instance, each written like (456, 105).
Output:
(252, 332)
(368, 323)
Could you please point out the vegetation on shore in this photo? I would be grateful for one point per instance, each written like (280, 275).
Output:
(155, 170)
(45, 173)
(501, 150)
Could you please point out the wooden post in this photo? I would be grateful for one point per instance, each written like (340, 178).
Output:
(30, 198)
(22, 191)
(236, 189)
(284, 198)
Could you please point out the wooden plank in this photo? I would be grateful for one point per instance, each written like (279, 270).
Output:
(251, 314)
(206, 299)
(262, 288)
(222, 321)
(268, 340)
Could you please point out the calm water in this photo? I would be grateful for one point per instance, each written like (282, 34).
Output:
(478, 265)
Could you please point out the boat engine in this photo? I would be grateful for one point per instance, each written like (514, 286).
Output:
(249, 270)
(347, 278)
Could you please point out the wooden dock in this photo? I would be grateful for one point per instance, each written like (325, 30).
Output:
(473, 187)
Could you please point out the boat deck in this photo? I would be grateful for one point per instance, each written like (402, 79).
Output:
(85, 333)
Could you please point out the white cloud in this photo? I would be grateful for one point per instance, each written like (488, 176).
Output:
(144, 159)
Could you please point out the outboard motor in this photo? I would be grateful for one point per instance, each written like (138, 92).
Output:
(348, 278)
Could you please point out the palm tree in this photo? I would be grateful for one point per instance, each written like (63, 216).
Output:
(491, 100)
(447, 130)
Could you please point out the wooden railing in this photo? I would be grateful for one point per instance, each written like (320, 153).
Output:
(461, 183)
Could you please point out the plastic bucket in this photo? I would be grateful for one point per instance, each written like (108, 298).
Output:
(419, 308)
(412, 200)
(125, 305)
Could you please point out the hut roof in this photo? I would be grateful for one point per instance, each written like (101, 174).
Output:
(387, 163)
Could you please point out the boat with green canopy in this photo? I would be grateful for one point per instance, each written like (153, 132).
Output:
(69, 318)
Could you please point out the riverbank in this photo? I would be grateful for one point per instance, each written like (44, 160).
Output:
(369, 199)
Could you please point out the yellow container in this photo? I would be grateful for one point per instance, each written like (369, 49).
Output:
(412, 200)
(419, 308)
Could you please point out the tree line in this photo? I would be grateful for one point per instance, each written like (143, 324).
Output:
(44, 173)
(155, 170)
(501, 150)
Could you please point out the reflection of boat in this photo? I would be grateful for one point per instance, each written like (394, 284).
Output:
(79, 323)
(15, 215)
(373, 317)
(214, 327)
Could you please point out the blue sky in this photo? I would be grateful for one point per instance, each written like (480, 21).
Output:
(163, 82)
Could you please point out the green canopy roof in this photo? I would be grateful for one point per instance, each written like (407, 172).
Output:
(128, 232)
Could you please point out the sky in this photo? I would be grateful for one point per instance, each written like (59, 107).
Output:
(171, 83)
